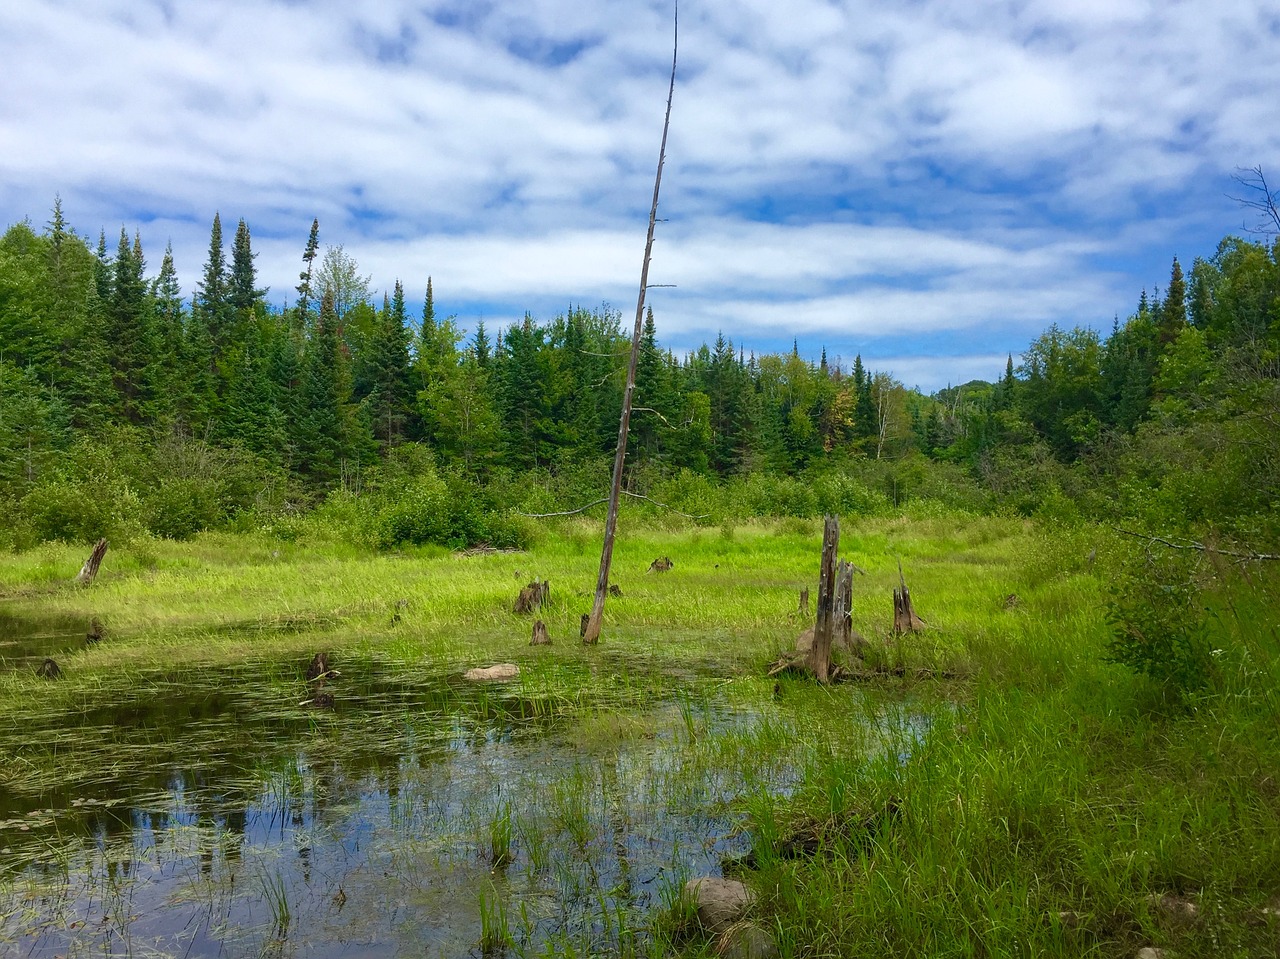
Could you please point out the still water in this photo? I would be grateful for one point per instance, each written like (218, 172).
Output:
(213, 812)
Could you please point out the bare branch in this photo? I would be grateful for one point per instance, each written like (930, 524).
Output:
(1260, 198)
(665, 506)
(568, 512)
(1249, 556)
(647, 409)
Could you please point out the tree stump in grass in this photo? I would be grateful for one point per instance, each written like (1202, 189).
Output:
(89, 571)
(615, 590)
(661, 565)
(95, 633)
(586, 618)
(540, 635)
(48, 670)
(803, 610)
(905, 619)
(534, 596)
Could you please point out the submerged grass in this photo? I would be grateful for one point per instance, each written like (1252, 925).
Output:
(1045, 802)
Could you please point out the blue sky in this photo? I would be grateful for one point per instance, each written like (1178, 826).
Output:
(927, 184)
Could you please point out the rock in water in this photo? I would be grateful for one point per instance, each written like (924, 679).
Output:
(720, 902)
(498, 671)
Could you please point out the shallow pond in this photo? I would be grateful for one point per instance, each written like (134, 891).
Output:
(219, 813)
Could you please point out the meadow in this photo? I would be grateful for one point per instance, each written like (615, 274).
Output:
(178, 792)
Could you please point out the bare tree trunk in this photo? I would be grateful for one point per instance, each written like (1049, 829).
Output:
(823, 630)
(591, 633)
(89, 571)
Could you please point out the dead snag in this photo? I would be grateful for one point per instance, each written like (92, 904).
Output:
(534, 596)
(48, 670)
(823, 630)
(318, 670)
(661, 565)
(905, 619)
(803, 610)
(540, 635)
(89, 571)
(848, 637)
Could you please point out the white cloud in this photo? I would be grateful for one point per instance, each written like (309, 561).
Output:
(866, 166)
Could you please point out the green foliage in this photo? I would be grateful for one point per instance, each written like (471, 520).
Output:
(1158, 621)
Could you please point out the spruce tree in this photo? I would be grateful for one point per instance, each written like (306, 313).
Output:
(127, 327)
(211, 302)
(304, 278)
(1173, 312)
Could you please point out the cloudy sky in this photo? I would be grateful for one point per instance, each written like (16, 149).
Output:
(928, 184)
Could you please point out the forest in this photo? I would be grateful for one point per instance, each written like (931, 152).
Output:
(320, 514)
(126, 409)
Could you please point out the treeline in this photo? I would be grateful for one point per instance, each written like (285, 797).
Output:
(122, 407)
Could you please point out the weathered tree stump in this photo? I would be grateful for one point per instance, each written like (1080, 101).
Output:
(615, 590)
(534, 596)
(318, 671)
(95, 633)
(803, 610)
(89, 571)
(848, 637)
(540, 635)
(905, 619)
(48, 670)
(823, 630)
(661, 565)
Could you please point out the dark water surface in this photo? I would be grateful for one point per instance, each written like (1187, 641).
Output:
(214, 812)
(25, 642)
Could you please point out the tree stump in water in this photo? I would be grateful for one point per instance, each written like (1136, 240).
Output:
(534, 596)
(905, 619)
(89, 571)
(95, 632)
(540, 635)
(48, 670)
(661, 565)
(318, 670)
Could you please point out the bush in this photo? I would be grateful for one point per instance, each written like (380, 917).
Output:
(181, 507)
(1158, 623)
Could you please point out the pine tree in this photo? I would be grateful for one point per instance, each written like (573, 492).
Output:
(480, 345)
(127, 327)
(243, 294)
(1173, 312)
(304, 278)
(387, 371)
(211, 303)
(323, 431)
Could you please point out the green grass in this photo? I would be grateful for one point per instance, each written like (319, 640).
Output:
(1048, 799)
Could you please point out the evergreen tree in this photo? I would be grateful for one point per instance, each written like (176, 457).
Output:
(211, 304)
(480, 343)
(243, 294)
(1173, 312)
(324, 428)
(304, 278)
(127, 328)
(388, 374)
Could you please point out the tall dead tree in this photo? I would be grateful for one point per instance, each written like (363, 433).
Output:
(591, 632)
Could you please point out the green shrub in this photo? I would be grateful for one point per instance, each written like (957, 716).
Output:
(1158, 622)
(181, 507)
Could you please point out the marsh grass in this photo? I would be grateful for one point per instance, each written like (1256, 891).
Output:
(1046, 795)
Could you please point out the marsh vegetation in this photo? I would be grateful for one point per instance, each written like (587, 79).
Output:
(177, 791)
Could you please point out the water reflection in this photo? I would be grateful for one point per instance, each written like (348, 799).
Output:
(26, 641)
(208, 814)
